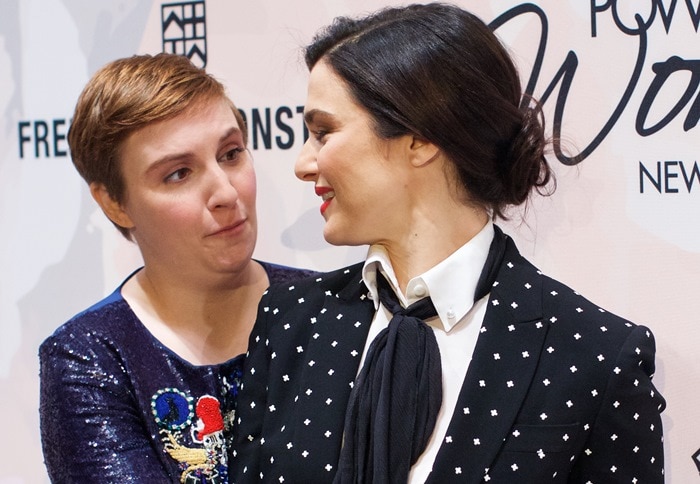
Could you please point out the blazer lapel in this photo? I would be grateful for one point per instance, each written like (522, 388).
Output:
(337, 338)
(504, 362)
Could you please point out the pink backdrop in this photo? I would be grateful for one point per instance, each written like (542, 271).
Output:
(622, 228)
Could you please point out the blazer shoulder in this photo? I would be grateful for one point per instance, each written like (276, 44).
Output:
(576, 318)
(560, 304)
(556, 293)
(320, 283)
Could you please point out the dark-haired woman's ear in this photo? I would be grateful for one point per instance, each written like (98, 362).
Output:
(422, 151)
(112, 209)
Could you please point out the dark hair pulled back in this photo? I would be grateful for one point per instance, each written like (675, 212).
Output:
(439, 72)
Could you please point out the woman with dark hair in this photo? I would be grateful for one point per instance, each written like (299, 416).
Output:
(445, 356)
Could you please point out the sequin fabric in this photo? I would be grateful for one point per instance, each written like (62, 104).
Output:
(118, 406)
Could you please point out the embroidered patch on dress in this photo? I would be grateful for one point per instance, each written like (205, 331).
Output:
(182, 421)
(172, 409)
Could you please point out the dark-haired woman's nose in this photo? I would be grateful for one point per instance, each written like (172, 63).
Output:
(305, 167)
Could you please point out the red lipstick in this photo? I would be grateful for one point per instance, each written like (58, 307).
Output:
(327, 194)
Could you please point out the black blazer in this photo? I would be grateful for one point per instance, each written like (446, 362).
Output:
(558, 389)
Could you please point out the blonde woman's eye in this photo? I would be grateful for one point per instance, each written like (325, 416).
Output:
(178, 175)
(232, 155)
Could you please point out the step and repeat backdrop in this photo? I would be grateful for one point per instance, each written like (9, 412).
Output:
(620, 82)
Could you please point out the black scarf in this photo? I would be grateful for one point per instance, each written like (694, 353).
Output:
(394, 404)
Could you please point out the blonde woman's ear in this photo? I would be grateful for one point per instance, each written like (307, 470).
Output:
(111, 208)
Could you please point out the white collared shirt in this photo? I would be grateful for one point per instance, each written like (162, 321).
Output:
(451, 285)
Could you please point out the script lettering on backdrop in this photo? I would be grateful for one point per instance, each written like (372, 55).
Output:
(663, 71)
(282, 127)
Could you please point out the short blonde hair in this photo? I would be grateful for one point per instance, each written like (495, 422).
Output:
(126, 95)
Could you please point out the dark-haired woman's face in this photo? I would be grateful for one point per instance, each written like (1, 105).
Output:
(360, 177)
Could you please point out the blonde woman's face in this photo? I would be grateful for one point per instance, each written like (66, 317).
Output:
(190, 191)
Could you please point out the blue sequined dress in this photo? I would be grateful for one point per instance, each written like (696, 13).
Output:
(118, 406)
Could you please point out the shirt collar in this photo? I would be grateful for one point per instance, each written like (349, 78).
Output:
(378, 260)
(450, 284)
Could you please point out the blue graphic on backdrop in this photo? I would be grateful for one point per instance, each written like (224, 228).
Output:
(184, 30)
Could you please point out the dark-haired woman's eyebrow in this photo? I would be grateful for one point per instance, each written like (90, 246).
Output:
(317, 115)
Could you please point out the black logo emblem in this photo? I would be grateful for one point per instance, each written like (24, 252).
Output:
(185, 30)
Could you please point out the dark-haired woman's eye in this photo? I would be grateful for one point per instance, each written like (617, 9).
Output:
(320, 135)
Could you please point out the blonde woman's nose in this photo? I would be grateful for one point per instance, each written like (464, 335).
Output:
(222, 189)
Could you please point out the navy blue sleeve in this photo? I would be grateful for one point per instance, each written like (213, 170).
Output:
(90, 427)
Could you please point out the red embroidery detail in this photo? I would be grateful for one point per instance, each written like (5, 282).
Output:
(209, 413)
